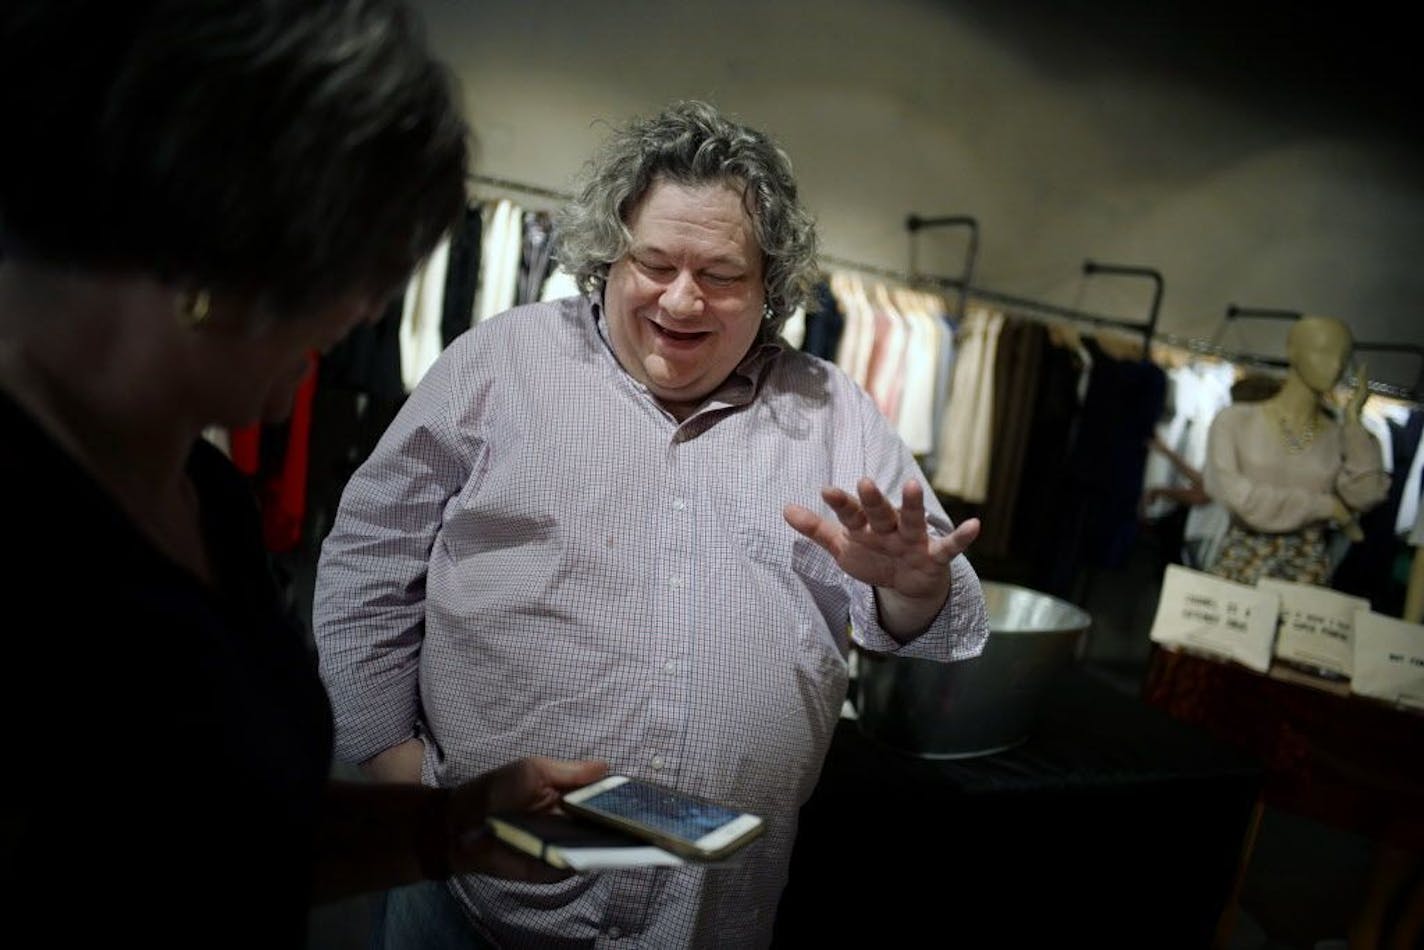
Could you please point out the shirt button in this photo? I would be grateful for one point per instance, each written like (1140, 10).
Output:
(676, 583)
(657, 762)
(670, 665)
(679, 505)
(614, 933)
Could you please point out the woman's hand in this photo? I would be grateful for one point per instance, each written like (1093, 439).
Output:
(1344, 518)
(527, 785)
(1356, 403)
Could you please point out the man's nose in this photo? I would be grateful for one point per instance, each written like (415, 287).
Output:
(682, 297)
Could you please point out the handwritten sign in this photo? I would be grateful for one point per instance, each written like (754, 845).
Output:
(1389, 659)
(1317, 625)
(1204, 612)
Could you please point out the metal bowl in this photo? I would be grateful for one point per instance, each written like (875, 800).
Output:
(979, 706)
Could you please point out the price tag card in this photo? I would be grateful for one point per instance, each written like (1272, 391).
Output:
(1204, 612)
(1389, 659)
(1317, 625)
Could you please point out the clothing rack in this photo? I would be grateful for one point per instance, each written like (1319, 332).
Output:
(963, 284)
(1234, 312)
(1091, 267)
(539, 191)
(964, 288)
(914, 224)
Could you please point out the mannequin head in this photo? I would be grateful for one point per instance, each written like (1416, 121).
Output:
(1318, 349)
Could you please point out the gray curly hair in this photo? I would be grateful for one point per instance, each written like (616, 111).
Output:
(691, 143)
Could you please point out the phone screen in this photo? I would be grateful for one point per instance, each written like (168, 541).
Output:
(666, 811)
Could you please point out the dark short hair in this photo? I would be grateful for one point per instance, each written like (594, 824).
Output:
(691, 143)
(294, 150)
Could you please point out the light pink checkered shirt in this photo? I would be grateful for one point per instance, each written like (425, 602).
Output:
(538, 559)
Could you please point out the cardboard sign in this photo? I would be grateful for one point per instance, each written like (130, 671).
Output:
(1317, 626)
(1389, 659)
(1204, 612)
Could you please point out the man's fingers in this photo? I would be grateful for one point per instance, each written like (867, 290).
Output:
(878, 511)
(811, 525)
(846, 508)
(947, 549)
(912, 513)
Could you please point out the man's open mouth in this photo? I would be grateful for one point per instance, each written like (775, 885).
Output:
(678, 335)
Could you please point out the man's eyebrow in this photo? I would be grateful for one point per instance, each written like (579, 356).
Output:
(729, 260)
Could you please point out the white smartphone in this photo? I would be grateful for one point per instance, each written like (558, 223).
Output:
(679, 822)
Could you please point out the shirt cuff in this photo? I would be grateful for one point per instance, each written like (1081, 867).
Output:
(957, 633)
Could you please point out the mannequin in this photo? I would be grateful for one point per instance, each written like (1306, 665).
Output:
(1288, 471)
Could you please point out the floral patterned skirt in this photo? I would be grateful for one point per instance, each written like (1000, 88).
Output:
(1246, 556)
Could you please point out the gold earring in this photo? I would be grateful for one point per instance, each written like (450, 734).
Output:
(194, 307)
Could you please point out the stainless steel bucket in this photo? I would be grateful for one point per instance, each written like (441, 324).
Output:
(978, 706)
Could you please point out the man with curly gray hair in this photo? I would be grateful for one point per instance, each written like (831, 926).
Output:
(578, 539)
(693, 144)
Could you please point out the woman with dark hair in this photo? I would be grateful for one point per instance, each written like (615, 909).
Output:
(195, 196)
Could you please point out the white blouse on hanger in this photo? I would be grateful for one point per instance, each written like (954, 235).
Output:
(501, 246)
(421, 314)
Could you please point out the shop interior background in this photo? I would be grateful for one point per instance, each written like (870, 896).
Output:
(1262, 154)
(1259, 154)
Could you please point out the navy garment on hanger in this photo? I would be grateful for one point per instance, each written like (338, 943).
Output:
(1367, 569)
(824, 323)
(1097, 513)
(462, 276)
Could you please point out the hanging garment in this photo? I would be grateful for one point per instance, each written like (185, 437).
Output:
(1375, 417)
(1017, 371)
(423, 316)
(536, 243)
(916, 416)
(284, 496)
(274, 457)
(1097, 512)
(1409, 495)
(824, 323)
(559, 284)
(944, 372)
(1199, 390)
(1053, 421)
(962, 470)
(857, 343)
(501, 246)
(358, 393)
(886, 373)
(462, 276)
(865, 334)
(1367, 568)
(245, 445)
(793, 331)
